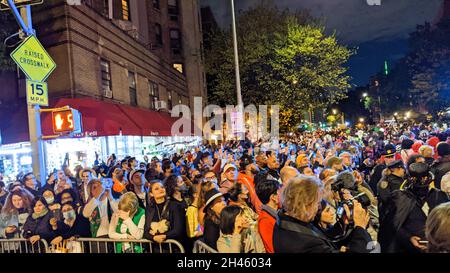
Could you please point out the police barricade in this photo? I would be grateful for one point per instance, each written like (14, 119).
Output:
(201, 247)
(105, 245)
(23, 246)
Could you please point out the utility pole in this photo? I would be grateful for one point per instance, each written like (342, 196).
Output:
(238, 78)
(24, 20)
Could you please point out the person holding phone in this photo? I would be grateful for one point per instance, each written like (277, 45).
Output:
(99, 208)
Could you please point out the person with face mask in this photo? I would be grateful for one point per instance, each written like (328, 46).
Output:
(246, 176)
(402, 229)
(72, 225)
(177, 190)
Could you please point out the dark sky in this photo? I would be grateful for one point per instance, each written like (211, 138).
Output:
(380, 32)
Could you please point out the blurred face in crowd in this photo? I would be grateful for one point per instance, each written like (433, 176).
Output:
(328, 216)
(118, 174)
(338, 167)
(39, 207)
(66, 197)
(67, 210)
(400, 172)
(346, 159)
(207, 161)
(17, 201)
(158, 191)
(388, 160)
(96, 188)
(346, 195)
(261, 160)
(49, 197)
(231, 174)
(253, 168)
(272, 162)
(243, 196)
(218, 205)
(61, 175)
(124, 166)
(86, 177)
(210, 176)
(138, 179)
(30, 181)
(158, 167)
(304, 161)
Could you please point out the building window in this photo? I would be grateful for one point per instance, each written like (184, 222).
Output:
(126, 10)
(178, 67)
(106, 77)
(153, 93)
(158, 34)
(172, 7)
(132, 88)
(169, 100)
(175, 41)
(156, 4)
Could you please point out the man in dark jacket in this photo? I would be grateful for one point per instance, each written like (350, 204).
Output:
(403, 227)
(294, 231)
(389, 183)
(441, 166)
(377, 172)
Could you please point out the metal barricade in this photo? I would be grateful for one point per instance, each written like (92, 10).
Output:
(201, 247)
(105, 245)
(23, 246)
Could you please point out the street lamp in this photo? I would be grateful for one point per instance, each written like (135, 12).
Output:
(395, 114)
(334, 111)
(364, 95)
(361, 120)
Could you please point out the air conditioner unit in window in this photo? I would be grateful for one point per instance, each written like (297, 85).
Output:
(107, 93)
(160, 105)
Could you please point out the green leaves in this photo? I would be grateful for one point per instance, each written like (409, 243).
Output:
(285, 59)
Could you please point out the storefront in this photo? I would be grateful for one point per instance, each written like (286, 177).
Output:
(118, 129)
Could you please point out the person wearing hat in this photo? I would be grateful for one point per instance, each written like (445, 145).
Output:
(442, 165)
(393, 178)
(335, 163)
(136, 185)
(388, 156)
(402, 229)
(215, 202)
(228, 178)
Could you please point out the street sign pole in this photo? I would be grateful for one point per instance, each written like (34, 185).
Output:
(34, 117)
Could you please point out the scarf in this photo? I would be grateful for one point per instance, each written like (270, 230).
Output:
(39, 215)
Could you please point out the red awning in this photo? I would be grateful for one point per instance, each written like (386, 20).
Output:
(99, 119)
(151, 123)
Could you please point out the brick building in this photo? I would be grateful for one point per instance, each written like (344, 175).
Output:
(132, 56)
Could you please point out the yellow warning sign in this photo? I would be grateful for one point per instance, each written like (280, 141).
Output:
(33, 59)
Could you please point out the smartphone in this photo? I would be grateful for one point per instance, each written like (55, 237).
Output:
(423, 242)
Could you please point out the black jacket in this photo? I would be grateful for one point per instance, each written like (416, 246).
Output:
(386, 186)
(40, 226)
(294, 236)
(81, 228)
(375, 176)
(439, 169)
(174, 214)
(211, 233)
(402, 204)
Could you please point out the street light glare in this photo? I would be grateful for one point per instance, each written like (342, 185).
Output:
(364, 95)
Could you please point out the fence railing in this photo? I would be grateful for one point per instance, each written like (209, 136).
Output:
(23, 246)
(201, 247)
(104, 245)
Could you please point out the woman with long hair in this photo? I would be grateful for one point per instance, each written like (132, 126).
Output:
(164, 219)
(15, 213)
(40, 224)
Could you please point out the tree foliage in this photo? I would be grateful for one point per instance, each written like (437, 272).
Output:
(285, 59)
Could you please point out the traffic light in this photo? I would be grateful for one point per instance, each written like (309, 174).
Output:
(66, 121)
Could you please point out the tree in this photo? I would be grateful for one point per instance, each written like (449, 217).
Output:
(285, 58)
(8, 27)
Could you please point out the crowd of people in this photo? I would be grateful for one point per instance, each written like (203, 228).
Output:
(309, 192)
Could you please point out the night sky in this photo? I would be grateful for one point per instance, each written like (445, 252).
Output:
(380, 32)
